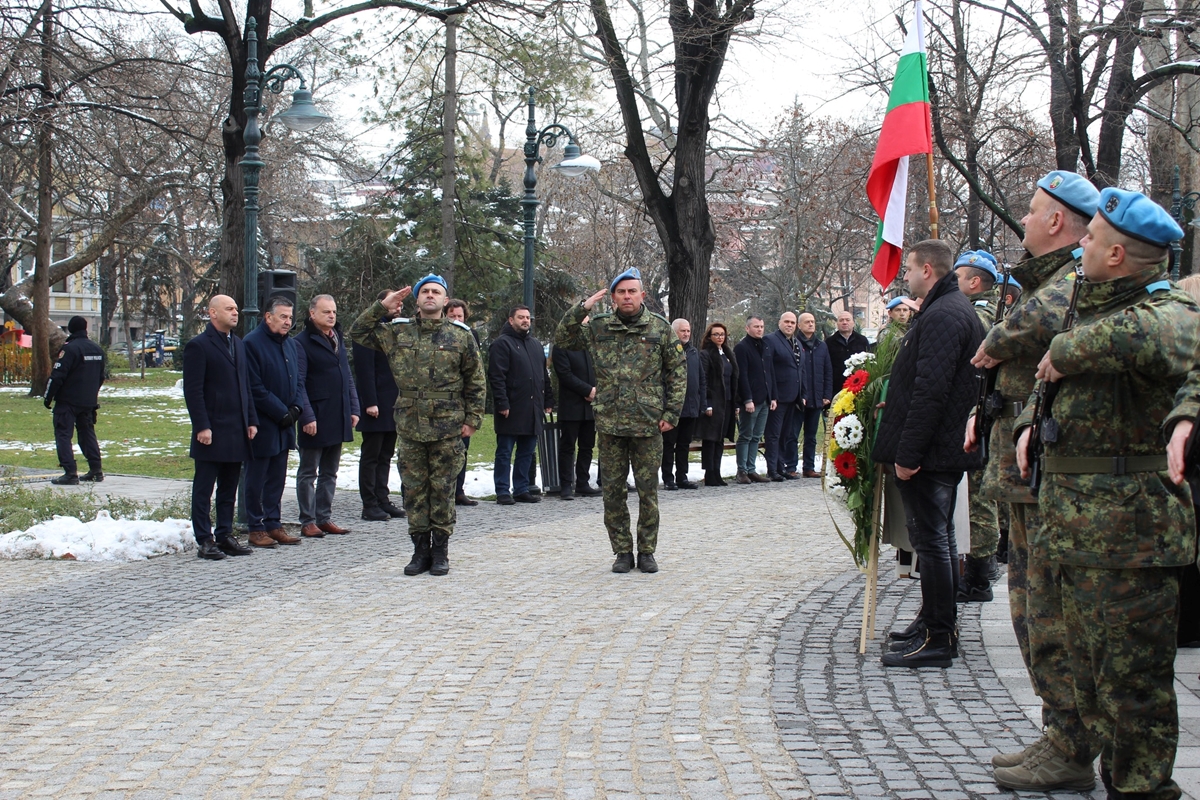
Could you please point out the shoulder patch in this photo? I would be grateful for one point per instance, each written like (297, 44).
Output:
(462, 325)
(602, 315)
(398, 320)
(1077, 253)
(678, 347)
(982, 303)
(1158, 286)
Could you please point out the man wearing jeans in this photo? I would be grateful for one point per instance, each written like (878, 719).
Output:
(756, 390)
(919, 434)
(517, 374)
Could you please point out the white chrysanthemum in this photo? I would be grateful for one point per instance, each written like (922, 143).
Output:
(833, 481)
(838, 492)
(856, 361)
(848, 432)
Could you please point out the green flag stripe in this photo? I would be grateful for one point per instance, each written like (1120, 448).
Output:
(911, 84)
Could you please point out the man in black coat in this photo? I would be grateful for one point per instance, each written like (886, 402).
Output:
(458, 310)
(377, 393)
(517, 376)
(784, 348)
(931, 393)
(216, 389)
(74, 389)
(756, 394)
(843, 343)
(576, 420)
(275, 386)
(330, 412)
(677, 442)
(816, 393)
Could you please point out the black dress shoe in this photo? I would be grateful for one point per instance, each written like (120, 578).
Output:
(670, 486)
(587, 490)
(461, 499)
(776, 477)
(92, 476)
(566, 493)
(232, 547)
(394, 511)
(375, 514)
(208, 549)
(623, 564)
(686, 484)
(527, 497)
(66, 480)
(505, 500)
(791, 476)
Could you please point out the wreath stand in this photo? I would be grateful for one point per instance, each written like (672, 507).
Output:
(871, 591)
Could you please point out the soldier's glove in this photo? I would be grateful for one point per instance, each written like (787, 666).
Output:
(46, 402)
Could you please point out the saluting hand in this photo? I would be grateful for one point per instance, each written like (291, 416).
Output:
(1176, 450)
(591, 301)
(393, 301)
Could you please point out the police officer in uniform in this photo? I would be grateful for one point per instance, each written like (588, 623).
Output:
(641, 379)
(978, 279)
(437, 364)
(1059, 211)
(1118, 527)
(73, 389)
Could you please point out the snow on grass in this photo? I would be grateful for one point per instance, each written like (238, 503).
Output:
(102, 539)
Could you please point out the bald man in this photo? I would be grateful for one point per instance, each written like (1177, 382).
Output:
(216, 388)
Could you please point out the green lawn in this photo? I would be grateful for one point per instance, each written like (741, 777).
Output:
(143, 429)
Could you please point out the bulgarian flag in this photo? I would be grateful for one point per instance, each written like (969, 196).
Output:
(907, 130)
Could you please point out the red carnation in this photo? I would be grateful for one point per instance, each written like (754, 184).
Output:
(846, 464)
(857, 381)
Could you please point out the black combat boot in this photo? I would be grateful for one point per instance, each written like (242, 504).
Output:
(975, 586)
(934, 650)
(623, 563)
(439, 546)
(991, 570)
(66, 479)
(421, 560)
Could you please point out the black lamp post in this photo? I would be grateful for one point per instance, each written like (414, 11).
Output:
(573, 164)
(301, 117)
(1178, 203)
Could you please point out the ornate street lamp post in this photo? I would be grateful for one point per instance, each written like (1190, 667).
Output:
(1178, 203)
(303, 116)
(573, 164)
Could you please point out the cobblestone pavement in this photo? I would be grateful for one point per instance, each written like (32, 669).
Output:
(529, 671)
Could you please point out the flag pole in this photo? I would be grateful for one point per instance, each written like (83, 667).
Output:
(933, 211)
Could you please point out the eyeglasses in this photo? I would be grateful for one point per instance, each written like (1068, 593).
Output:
(716, 335)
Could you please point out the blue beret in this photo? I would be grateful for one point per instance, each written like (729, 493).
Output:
(631, 274)
(1134, 214)
(431, 278)
(979, 259)
(1012, 283)
(895, 301)
(1072, 190)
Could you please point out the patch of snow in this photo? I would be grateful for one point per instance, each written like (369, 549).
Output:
(102, 539)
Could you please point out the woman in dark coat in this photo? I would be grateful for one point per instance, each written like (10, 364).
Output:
(717, 423)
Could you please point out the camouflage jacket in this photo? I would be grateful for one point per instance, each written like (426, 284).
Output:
(427, 356)
(641, 372)
(1122, 363)
(984, 304)
(1020, 341)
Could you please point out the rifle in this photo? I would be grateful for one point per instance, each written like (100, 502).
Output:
(1045, 428)
(990, 401)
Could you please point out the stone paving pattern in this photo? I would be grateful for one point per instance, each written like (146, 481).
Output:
(529, 671)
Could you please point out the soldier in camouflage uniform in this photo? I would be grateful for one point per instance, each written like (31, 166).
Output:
(978, 280)
(1058, 214)
(641, 379)
(437, 366)
(1117, 528)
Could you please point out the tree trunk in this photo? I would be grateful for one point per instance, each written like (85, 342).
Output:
(1064, 85)
(449, 166)
(39, 371)
(1160, 138)
(1120, 97)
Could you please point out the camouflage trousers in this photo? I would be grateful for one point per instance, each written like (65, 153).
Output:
(617, 454)
(1035, 600)
(429, 471)
(1121, 628)
(985, 521)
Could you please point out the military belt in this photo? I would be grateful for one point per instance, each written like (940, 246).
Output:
(1011, 408)
(429, 395)
(1104, 465)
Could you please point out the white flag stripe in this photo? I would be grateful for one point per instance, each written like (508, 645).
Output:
(893, 219)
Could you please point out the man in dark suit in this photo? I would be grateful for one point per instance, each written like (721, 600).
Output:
(275, 387)
(816, 394)
(216, 389)
(785, 358)
(330, 412)
(74, 388)
(576, 421)
(756, 394)
(377, 395)
(517, 375)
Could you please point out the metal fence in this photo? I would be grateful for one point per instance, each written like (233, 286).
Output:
(14, 363)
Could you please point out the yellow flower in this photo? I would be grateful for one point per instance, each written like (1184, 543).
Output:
(843, 404)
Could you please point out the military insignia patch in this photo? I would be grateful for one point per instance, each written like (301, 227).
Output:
(1112, 204)
(678, 347)
(1056, 181)
(972, 259)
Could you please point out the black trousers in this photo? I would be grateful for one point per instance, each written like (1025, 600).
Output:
(779, 426)
(711, 451)
(375, 467)
(67, 420)
(265, 478)
(462, 473)
(224, 474)
(675, 449)
(581, 432)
